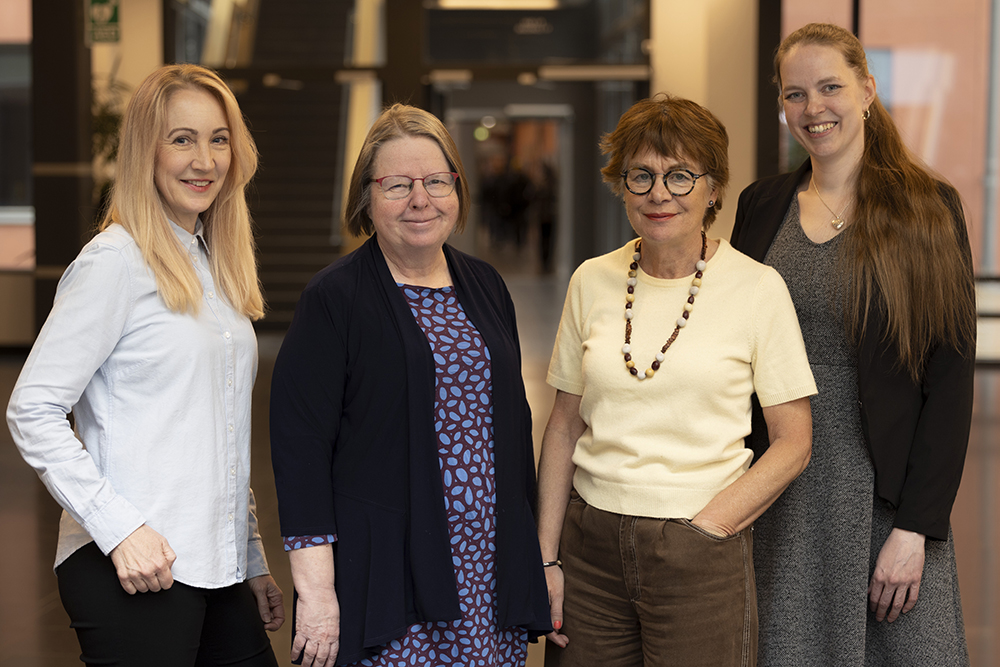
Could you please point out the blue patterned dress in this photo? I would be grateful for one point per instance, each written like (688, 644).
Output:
(463, 421)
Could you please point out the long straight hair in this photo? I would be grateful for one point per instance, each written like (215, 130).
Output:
(902, 253)
(136, 203)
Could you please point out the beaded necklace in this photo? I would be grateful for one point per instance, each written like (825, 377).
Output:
(633, 270)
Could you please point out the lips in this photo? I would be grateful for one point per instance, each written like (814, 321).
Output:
(659, 216)
(199, 185)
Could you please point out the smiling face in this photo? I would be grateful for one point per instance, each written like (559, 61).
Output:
(193, 155)
(824, 101)
(417, 223)
(660, 218)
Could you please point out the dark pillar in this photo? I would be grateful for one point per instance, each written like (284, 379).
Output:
(769, 37)
(404, 67)
(61, 137)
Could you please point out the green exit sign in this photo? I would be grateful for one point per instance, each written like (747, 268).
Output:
(102, 21)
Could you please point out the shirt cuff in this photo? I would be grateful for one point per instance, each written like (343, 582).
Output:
(303, 541)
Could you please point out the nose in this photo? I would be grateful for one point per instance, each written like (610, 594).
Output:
(659, 191)
(815, 105)
(418, 195)
(203, 159)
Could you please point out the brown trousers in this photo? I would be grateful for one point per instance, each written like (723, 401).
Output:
(651, 592)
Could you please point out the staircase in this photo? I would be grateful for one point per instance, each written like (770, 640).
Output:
(293, 105)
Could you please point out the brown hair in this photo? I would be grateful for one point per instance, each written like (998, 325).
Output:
(136, 204)
(671, 126)
(902, 252)
(396, 122)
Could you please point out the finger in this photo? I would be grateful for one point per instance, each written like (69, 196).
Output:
(298, 644)
(165, 578)
(322, 653)
(884, 603)
(559, 640)
(331, 658)
(278, 610)
(263, 605)
(911, 598)
(897, 604)
(875, 589)
(127, 585)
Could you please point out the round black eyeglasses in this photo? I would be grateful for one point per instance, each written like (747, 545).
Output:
(440, 184)
(679, 182)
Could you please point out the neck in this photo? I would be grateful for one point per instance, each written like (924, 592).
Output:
(422, 269)
(674, 261)
(836, 176)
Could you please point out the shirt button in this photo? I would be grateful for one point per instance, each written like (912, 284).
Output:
(232, 471)
(227, 334)
(230, 518)
(211, 295)
(194, 240)
(231, 429)
(229, 382)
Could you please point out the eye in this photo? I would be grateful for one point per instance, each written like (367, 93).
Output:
(181, 140)
(639, 176)
(679, 178)
(220, 140)
(793, 97)
(832, 87)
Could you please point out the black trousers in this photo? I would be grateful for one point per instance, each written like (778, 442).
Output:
(180, 627)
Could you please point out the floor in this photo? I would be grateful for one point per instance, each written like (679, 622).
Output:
(34, 630)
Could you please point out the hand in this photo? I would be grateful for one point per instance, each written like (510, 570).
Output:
(317, 631)
(896, 580)
(555, 582)
(269, 601)
(710, 527)
(143, 561)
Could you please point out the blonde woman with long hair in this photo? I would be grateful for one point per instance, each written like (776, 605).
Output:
(149, 345)
(855, 562)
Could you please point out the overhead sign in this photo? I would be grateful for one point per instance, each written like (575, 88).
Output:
(102, 21)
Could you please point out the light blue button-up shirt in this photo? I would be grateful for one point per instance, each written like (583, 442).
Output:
(162, 408)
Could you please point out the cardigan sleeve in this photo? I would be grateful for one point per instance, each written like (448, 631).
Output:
(307, 392)
(937, 455)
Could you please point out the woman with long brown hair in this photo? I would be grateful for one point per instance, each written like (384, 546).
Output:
(876, 256)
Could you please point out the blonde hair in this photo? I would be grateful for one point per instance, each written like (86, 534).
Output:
(673, 127)
(396, 122)
(136, 204)
(902, 253)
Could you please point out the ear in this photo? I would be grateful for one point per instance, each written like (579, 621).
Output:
(869, 91)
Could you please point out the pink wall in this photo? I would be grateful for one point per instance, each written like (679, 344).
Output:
(15, 21)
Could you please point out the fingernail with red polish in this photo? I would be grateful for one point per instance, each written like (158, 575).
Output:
(557, 625)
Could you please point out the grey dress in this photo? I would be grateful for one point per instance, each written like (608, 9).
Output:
(815, 548)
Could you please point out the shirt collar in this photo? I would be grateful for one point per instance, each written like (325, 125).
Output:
(186, 237)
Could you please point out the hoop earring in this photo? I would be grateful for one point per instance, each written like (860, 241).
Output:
(866, 114)
(711, 203)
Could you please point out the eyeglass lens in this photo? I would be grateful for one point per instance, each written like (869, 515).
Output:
(398, 187)
(678, 182)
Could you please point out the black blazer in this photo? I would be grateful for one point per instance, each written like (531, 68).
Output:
(355, 453)
(917, 432)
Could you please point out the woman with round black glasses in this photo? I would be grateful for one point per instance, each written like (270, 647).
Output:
(646, 497)
(401, 434)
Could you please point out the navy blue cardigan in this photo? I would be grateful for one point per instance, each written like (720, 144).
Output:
(917, 432)
(355, 453)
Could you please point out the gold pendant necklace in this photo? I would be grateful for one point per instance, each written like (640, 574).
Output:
(838, 220)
